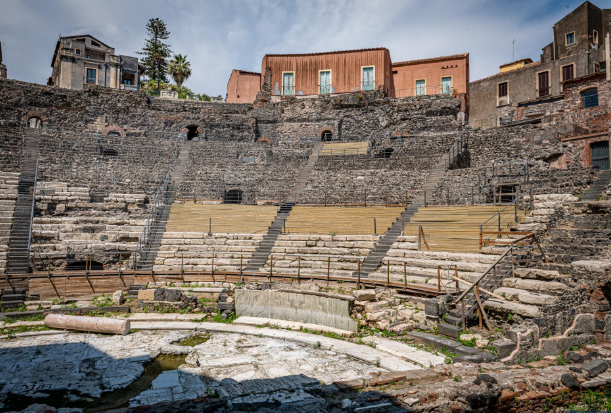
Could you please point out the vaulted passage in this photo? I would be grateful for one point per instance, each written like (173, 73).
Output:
(233, 196)
(82, 265)
(192, 132)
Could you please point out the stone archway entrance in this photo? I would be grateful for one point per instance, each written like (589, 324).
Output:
(192, 132)
(326, 136)
(233, 196)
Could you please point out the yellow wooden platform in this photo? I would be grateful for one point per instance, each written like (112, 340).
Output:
(341, 220)
(226, 218)
(344, 149)
(456, 229)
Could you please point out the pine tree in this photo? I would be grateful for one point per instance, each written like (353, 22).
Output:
(156, 52)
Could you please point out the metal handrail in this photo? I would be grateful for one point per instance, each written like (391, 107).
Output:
(514, 203)
(33, 207)
(492, 266)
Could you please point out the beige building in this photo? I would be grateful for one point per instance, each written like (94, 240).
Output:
(2, 66)
(81, 60)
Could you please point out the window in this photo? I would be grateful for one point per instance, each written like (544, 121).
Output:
(589, 98)
(91, 76)
(502, 89)
(596, 67)
(288, 83)
(570, 38)
(420, 87)
(543, 83)
(367, 78)
(94, 43)
(324, 86)
(567, 72)
(446, 85)
(78, 52)
(594, 37)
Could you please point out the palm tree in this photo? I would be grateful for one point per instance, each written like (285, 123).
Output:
(180, 69)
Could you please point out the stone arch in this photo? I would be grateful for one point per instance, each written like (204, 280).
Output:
(264, 139)
(192, 131)
(34, 119)
(114, 128)
(326, 128)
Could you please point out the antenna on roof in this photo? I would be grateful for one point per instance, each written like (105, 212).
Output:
(567, 6)
(513, 50)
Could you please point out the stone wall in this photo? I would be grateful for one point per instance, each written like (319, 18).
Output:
(296, 306)
(517, 143)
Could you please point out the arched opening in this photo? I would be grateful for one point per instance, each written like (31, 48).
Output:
(113, 133)
(82, 266)
(35, 123)
(192, 132)
(233, 196)
(326, 136)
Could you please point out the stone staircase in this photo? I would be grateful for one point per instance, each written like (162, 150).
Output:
(8, 197)
(373, 260)
(149, 251)
(19, 243)
(598, 186)
(305, 173)
(259, 258)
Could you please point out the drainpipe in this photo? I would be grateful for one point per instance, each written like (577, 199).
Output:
(105, 72)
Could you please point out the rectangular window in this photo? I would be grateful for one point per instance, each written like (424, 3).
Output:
(567, 72)
(91, 75)
(543, 78)
(368, 78)
(589, 98)
(78, 52)
(502, 89)
(446, 85)
(570, 38)
(288, 84)
(594, 37)
(324, 87)
(420, 87)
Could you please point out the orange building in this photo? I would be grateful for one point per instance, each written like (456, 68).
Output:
(437, 75)
(243, 86)
(328, 73)
(331, 72)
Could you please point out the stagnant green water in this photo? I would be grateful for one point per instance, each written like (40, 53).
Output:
(111, 400)
(195, 340)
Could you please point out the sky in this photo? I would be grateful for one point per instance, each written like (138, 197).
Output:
(220, 35)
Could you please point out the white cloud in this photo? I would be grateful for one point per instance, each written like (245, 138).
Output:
(218, 36)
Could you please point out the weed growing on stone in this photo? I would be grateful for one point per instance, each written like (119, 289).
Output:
(457, 378)
(102, 301)
(377, 362)
(317, 344)
(560, 360)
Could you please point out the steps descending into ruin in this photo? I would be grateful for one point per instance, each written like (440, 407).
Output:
(259, 258)
(373, 260)
(160, 220)
(19, 241)
(305, 173)
(598, 186)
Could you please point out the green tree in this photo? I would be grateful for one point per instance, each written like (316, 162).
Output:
(156, 52)
(179, 69)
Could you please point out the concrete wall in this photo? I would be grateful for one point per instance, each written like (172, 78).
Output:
(304, 308)
(431, 70)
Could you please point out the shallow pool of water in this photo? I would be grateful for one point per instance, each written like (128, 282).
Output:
(195, 340)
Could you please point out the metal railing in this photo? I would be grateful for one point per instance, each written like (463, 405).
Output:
(506, 217)
(33, 207)
(457, 149)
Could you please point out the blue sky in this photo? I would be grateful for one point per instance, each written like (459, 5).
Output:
(220, 35)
